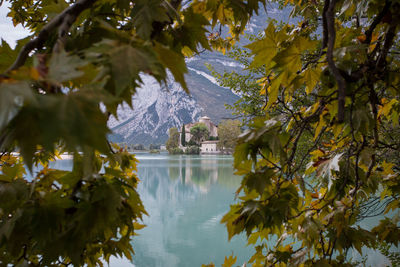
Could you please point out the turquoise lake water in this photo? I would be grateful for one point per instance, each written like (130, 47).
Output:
(186, 197)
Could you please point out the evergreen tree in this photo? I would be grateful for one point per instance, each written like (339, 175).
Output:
(183, 136)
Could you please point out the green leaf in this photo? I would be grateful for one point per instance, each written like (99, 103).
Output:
(7, 56)
(64, 67)
(290, 58)
(144, 13)
(273, 90)
(174, 62)
(12, 98)
(311, 78)
(128, 61)
(266, 48)
(74, 119)
(192, 32)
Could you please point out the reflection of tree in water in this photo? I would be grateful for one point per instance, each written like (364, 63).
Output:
(185, 201)
(183, 175)
(203, 172)
(226, 176)
(202, 176)
(174, 172)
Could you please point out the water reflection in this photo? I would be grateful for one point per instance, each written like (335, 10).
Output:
(186, 197)
(202, 171)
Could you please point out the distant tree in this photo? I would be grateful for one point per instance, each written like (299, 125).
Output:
(191, 143)
(251, 103)
(173, 140)
(228, 131)
(192, 150)
(138, 147)
(175, 151)
(199, 133)
(183, 136)
(154, 146)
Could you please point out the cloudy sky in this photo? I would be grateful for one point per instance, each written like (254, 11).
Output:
(8, 32)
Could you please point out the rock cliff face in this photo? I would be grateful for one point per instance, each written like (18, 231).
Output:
(158, 108)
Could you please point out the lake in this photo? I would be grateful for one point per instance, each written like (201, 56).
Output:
(186, 197)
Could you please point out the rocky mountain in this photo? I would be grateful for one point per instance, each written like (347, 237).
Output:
(157, 108)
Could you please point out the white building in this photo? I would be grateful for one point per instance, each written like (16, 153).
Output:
(209, 147)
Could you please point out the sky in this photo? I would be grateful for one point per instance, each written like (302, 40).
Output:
(8, 32)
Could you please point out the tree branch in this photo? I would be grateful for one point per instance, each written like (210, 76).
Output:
(329, 23)
(325, 24)
(377, 20)
(390, 35)
(62, 18)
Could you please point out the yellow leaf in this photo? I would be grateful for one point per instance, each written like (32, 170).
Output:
(187, 52)
(361, 38)
(229, 261)
(315, 107)
(290, 124)
(138, 226)
(289, 59)
(318, 129)
(220, 13)
(34, 74)
(337, 129)
(273, 90)
(387, 107)
(265, 49)
(263, 90)
(317, 153)
(253, 238)
(321, 124)
(387, 168)
(312, 77)
(374, 38)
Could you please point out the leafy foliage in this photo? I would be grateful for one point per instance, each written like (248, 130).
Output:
(199, 133)
(69, 217)
(192, 150)
(173, 139)
(245, 83)
(183, 135)
(325, 155)
(228, 132)
(57, 89)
